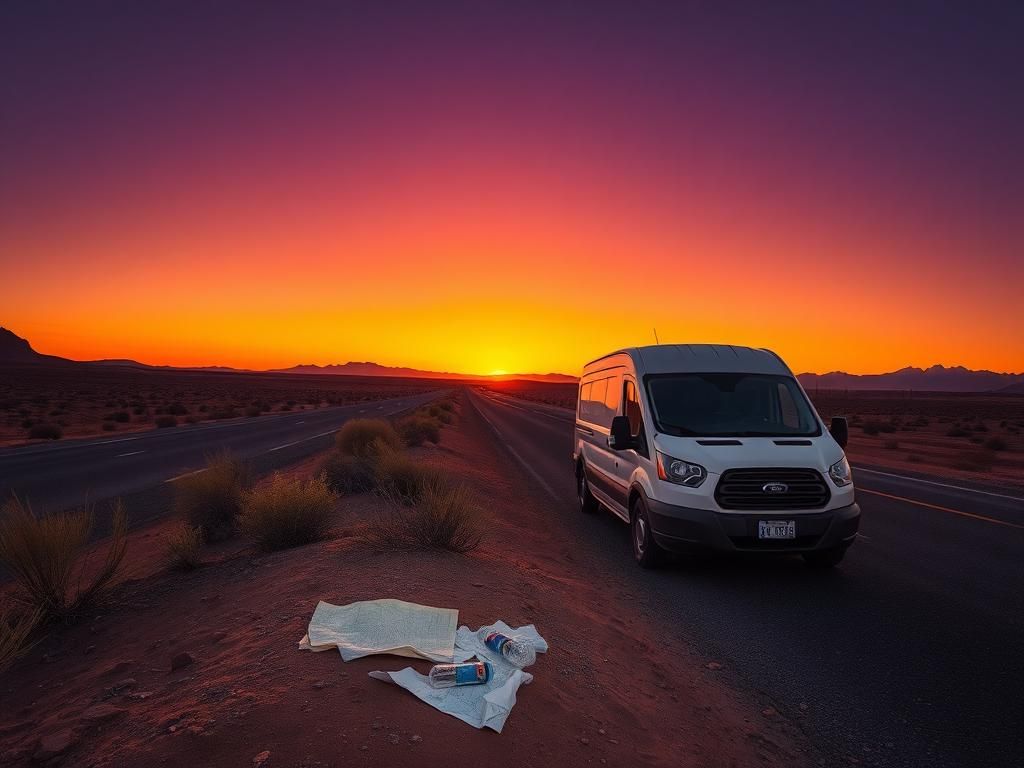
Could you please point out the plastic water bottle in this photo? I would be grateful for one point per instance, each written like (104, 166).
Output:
(467, 673)
(516, 650)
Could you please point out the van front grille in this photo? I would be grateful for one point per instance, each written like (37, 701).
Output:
(772, 489)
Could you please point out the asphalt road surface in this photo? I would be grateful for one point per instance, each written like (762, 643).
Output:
(908, 654)
(54, 476)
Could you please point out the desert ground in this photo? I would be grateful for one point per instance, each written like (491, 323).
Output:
(38, 403)
(201, 667)
(962, 437)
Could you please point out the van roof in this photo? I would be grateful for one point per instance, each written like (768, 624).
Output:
(701, 358)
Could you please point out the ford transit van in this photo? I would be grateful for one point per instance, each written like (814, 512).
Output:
(712, 447)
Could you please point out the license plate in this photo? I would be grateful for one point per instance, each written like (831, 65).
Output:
(776, 529)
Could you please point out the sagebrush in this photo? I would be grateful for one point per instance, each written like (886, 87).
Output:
(288, 512)
(47, 556)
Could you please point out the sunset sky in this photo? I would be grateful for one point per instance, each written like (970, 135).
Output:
(513, 186)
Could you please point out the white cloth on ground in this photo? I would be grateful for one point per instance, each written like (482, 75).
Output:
(482, 706)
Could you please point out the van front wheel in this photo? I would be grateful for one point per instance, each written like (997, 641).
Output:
(645, 549)
(588, 503)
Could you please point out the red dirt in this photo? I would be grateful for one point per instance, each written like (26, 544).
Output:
(618, 691)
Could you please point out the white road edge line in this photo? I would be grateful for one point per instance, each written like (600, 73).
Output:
(514, 453)
(130, 453)
(187, 474)
(940, 485)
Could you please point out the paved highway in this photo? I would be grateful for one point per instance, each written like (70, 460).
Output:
(908, 654)
(67, 473)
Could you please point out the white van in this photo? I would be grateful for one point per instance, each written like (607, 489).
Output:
(712, 447)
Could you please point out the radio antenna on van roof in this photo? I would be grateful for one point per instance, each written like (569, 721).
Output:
(656, 336)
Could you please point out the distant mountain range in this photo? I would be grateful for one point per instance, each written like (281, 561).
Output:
(938, 378)
(14, 349)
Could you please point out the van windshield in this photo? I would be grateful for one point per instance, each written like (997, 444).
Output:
(730, 405)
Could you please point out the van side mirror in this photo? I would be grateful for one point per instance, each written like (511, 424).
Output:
(840, 431)
(621, 436)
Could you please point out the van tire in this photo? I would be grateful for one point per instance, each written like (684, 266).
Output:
(588, 503)
(825, 558)
(645, 549)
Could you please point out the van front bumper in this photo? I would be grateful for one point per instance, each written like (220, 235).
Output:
(685, 529)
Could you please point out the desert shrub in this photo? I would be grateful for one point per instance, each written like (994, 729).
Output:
(223, 413)
(211, 500)
(974, 461)
(27, 423)
(288, 512)
(403, 479)
(349, 474)
(183, 547)
(446, 417)
(193, 418)
(957, 431)
(871, 427)
(434, 411)
(977, 440)
(177, 409)
(445, 516)
(996, 444)
(109, 426)
(979, 427)
(162, 422)
(417, 429)
(367, 437)
(892, 445)
(253, 410)
(44, 431)
(45, 557)
(446, 405)
(15, 630)
(203, 408)
(913, 458)
(285, 407)
(139, 410)
(119, 416)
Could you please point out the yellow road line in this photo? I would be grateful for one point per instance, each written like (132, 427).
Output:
(943, 509)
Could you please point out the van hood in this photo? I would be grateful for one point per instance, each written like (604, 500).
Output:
(717, 454)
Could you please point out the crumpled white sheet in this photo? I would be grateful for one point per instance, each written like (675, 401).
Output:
(482, 706)
(383, 626)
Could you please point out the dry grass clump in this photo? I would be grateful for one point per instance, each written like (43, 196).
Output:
(444, 516)
(183, 547)
(15, 630)
(45, 431)
(996, 444)
(404, 480)
(367, 437)
(288, 512)
(45, 555)
(211, 500)
(418, 429)
(349, 474)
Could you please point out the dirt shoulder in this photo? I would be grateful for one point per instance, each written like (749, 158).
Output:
(613, 690)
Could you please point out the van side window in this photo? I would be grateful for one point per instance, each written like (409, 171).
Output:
(632, 409)
(595, 413)
(584, 398)
(611, 400)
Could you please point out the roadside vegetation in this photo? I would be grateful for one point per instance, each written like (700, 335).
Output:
(47, 557)
(16, 629)
(211, 499)
(183, 547)
(288, 512)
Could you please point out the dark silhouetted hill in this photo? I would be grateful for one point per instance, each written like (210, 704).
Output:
(938, 378)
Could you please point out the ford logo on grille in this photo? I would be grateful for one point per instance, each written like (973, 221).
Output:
(774, 487)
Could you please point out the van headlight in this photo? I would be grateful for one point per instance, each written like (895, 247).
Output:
(680, 472)
(840, 472)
